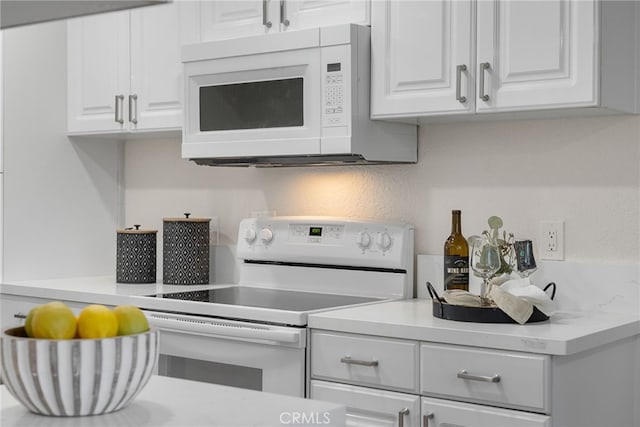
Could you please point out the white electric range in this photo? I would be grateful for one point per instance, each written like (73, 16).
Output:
(253, 334)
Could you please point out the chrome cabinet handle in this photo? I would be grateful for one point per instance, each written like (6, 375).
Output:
(264, 14)
(401, 414)
(283, 13)
(349, 361)
(463, 374)
(20, 316)
(459, 70)
(133, 109)
(425, 419)
(484, 66)
(119, 101)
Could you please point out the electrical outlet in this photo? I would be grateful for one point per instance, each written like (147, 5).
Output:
(551, 240)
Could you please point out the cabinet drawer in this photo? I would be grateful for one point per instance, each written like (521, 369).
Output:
(437, 412)
(370, 407)
(363, 360)
(502, 378)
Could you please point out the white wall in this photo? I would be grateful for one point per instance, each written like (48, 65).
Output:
(585, 171)
(61, 200)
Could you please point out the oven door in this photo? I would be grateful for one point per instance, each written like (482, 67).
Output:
(240, 354)
(253, 105)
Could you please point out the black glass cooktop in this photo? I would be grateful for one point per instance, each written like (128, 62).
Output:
(276, 299)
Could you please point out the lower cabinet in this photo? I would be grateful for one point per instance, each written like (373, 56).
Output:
(439, 412)
(458, 386)
(368, 406)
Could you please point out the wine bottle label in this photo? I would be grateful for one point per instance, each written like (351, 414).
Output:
(456, 271)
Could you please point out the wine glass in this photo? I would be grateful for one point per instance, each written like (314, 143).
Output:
(485, 261)
(525, 257)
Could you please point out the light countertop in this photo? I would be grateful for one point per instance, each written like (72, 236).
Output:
(105, 290)
(175, 402)
(564, 333)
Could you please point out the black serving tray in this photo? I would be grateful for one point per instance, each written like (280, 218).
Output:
(460, 313)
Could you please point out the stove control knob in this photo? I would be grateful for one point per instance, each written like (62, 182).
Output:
(250, 235)
(363, 240)
(383, 240)
(266, 235)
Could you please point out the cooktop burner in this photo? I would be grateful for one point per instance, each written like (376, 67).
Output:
(276, 299)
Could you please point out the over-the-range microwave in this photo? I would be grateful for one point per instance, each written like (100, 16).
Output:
(287, 99)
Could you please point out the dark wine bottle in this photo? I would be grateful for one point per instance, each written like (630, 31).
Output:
(456, 256)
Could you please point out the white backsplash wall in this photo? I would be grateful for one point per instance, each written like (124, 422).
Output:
(585, 171)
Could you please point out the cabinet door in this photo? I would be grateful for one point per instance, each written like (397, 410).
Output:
(437, 412)
(540, 54)
(229, 19)
(299, 14)
(98, 72)
(417, 47)
(370, 407)
(157, 35)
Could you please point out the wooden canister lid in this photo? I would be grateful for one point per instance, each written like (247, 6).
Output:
(187, 219)
(136, 230)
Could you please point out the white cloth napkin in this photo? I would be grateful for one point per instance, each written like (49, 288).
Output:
(525, 290)
(517, 308)
(460, 297)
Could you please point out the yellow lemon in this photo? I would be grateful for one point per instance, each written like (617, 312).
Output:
(97, 321)
(131, 320)
(53, 320)
(29, 321)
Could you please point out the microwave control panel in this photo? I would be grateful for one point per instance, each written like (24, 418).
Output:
(335, 90)
(334, 96)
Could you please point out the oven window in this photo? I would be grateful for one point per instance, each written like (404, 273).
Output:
(210, 372)
(255, 105)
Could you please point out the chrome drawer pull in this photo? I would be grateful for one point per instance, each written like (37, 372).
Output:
(265, 20)
(401, 414)
(466, 376)
(483, 67)
(119, 100)
(349, 361)
(283, 14)
(425, 419)
(133, 109)
(459, 70)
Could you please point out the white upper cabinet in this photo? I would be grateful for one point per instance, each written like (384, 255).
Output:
(124, 69)
(98, 72)
(422, 52)
(432, 58)
(230, 19)
(534, 54)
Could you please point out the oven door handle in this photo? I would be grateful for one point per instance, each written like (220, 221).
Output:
(203, 326)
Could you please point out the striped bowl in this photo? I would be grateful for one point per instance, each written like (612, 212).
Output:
(77, 377)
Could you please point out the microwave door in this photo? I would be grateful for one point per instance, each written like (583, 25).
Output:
(256, 105)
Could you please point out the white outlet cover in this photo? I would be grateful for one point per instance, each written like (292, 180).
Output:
(548, 248)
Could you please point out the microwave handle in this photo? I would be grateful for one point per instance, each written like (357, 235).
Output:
(265, 22)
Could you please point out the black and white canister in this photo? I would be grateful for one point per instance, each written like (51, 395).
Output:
(185, 251)
(136, 255)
